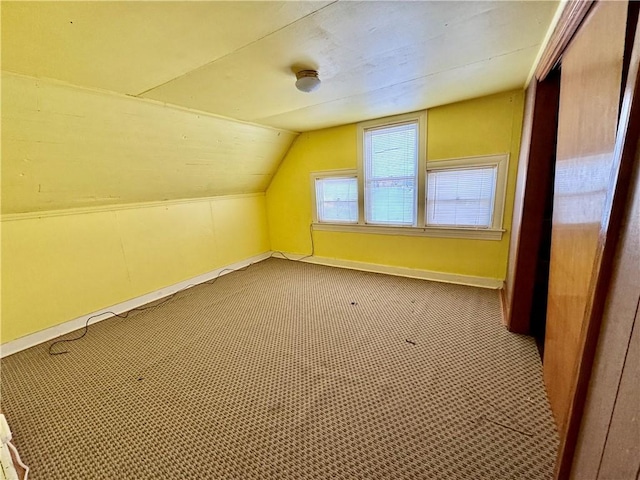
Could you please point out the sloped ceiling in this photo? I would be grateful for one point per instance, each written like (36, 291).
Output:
(235, 58)
(66, 147)
(219, 62)
(130, 47)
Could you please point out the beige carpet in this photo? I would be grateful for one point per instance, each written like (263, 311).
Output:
(289, 371)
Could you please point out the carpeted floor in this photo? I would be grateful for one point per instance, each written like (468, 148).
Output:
(289, 371)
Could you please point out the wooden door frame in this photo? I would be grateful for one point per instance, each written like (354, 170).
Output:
(533, 188)
(517, 294)
(570, 21)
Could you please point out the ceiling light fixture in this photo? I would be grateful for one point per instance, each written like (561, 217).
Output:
(307, 80)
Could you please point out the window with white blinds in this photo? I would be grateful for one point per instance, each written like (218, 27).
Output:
(390, 174)
(337, 199)
(396, 191)
(461, 197)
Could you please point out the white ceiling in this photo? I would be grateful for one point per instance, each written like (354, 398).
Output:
(235, 58)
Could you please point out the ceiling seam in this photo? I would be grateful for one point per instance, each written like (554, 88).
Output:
(150, 101)
(234, 51)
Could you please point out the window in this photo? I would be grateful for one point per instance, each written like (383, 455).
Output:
(336, 197)
(390, 174)
(461, 197)
(466, 192)
(395, 191)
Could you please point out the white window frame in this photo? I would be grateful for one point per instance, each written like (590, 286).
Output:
(341, 173)
(421, 119)
(420, 229)
(501, 162)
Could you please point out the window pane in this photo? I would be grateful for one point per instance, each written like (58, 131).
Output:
(392, 201)
(391, 164)
(337, 199)
(462, 197)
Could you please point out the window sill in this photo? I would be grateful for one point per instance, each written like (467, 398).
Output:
(439, 232)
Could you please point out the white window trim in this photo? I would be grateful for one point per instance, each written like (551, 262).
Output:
(500, 161)
(421, 229)
(340, 173)
(437, 232)
(421, 118)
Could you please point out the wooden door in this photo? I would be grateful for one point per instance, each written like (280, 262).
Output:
(609, 442)
(588, 114)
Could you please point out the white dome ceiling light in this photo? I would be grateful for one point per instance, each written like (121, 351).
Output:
(307, 80)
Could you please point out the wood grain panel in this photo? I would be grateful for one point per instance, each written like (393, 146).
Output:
(621, 458)
(535, 167)
(588, 115)
(609, 361)
(612, 305)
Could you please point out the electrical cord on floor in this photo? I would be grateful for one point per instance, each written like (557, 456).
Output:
(126, 314)
(313, 248)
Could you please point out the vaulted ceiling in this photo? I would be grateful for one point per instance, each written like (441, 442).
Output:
(236, 58)
(196, 98)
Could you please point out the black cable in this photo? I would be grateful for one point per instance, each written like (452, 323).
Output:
(126, 314)
(313, 248)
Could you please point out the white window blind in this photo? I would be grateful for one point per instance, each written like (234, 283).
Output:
(337, 199)
(390, 174)
(461, 197)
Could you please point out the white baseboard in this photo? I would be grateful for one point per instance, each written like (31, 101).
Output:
(50, 333)
(483, 282)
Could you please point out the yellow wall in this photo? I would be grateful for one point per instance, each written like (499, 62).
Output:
(87, 161)
(482, 126)
(59, 266)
